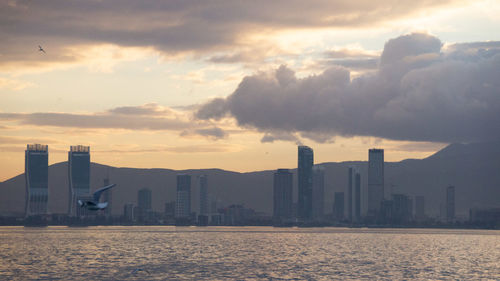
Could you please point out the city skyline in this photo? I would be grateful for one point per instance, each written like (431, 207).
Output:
(189, 88)
(398, 207)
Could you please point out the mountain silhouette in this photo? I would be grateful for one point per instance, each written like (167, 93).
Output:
(474, 170)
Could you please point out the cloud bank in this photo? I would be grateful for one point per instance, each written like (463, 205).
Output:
(147, 117)
(173, 27)
(419, 92)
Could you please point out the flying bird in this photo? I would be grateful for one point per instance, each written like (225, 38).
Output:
(94, 204)
(40, 49)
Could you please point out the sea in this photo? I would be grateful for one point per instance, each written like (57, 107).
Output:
(247, 253)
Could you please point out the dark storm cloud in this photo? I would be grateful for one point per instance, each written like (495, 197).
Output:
(173, 26)
(419, 92)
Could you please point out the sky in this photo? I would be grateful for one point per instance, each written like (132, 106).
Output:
(237, 85)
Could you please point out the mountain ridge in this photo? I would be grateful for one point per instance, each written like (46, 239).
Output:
(472, 168)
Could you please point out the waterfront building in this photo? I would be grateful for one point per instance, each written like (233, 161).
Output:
(304, 175)
(338, 206)
(183, 200)
(375, 180)
(354, 195)
(144, 209)
(128, 212)
(36, 172)
(318, 192)
(204, 198)
(78, 179)
(282, 194)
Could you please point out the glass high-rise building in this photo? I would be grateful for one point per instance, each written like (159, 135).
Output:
(282, 194)
(78, 178)
(375, 180)
(36, 172)
(204, 200)
(144, 199)
(305, 178)
(318, 192)
(183, 200)
(354, 195)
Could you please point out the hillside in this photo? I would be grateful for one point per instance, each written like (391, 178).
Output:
(471, 168)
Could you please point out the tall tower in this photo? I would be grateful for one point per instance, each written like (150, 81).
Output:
(318, 192)
(144, 203)
(450, 203)
(183, 202)
(78, 176)
(204, 211)
(350, 190)
(375, 180)
(354, 195)
(304, 174)
(36, 172)
(357, 197)
(282, 194)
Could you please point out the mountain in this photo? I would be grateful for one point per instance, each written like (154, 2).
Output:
(474, 170)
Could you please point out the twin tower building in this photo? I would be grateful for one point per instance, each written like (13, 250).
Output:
(36, 175)
(310, 201)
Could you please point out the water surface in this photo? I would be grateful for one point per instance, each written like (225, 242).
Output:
(246, 253)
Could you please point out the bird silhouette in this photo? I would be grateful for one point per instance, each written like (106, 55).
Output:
(40, 49)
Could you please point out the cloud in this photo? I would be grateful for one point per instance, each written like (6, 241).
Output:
(173, 149)
(213, 132)
(172, 27)
(419, 92)
(149, 109)
(147, 117)
(25, 140)
(280, 136)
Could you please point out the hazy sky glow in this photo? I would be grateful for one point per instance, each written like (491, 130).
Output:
(237, 84)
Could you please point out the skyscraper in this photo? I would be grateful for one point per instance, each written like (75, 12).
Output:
(144, 197)
(78, 178)
(183, 200)
(204, 208)
(318, 192)
(282, 194)
(357, 197)
(450, 203)
(36, 172)
(375, 180)
(354, 195)
(304, 174)
(338, 206)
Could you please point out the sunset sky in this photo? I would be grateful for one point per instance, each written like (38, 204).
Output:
(238, 84)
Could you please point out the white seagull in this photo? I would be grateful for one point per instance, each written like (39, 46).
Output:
(40, 49)
(94, 204)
